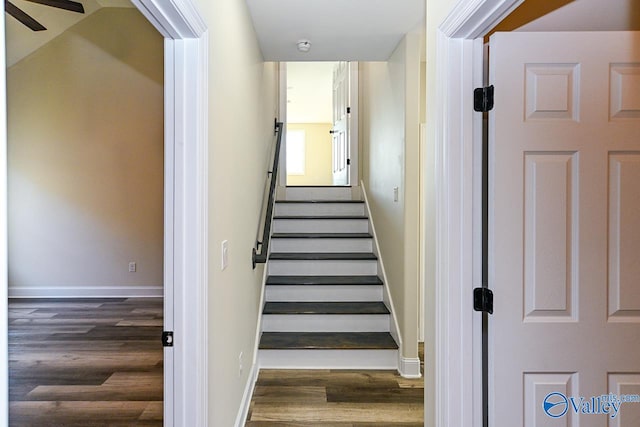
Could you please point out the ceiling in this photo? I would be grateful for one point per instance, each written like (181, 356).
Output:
(21, 41)
(310, 92)
(345, 30)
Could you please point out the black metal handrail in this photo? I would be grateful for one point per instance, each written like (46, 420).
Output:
(263, 245)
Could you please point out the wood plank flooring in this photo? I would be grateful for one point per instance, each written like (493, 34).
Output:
(98, 362)
(337, 398)
(85, 362)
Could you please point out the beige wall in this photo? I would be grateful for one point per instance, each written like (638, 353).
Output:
(389, 126)
(85, 136)
(317, 154)
(242, 105)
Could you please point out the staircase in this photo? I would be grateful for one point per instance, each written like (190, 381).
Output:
(324, 306)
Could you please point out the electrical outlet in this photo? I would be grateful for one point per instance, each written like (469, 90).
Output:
(225, 254)
(132, 267)
(395, 194)
(240, 365)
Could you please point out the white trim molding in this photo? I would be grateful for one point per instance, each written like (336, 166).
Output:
(186, 207)
(394, 329)
(4, 274)
(410, 367)
(245, 404)
(458, 352)
(87, 292)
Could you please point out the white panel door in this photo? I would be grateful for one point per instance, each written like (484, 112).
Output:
(564, 228)
(340, 131)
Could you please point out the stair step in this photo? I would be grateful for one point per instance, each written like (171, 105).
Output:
(319, 193)
(318, 267)
(321, 256)
(367, 307)
(322, 208)
(323, 280)
(292, 217)
(321, 236)
(320, 201)
(321, 224)
(327, 341)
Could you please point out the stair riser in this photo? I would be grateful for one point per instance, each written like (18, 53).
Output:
(328, 359)
(319, 268)
(325, 323)
(321, 245)
(327, 293)
(318, 193)
(318, 209)
(320, 226)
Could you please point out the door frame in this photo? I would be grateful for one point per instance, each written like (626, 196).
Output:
(354, 123)
(185, 209)
(457, 363)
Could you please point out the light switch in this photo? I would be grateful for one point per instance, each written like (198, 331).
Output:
(225, 254)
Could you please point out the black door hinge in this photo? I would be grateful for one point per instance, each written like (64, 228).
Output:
(483, 300)
(167, 338)
(348, 110)
(348, 162)
(483, 99)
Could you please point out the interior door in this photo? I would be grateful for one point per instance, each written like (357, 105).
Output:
(564, 228)
(340, 131)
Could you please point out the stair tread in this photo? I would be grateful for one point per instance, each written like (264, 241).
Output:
(320, 201)
(320, 217)
(321, 236)
(368, 307)
(323, 280)
(318, 186)
(327, 341)
(321, 256)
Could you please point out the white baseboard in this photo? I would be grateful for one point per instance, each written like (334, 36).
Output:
(241, 419)
(86, 292)
(410, 367)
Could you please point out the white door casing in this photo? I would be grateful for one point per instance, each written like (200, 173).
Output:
(340, 131)
(453, 372)
(352, 125)
(564, 224)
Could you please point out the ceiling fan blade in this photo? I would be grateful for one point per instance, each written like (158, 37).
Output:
(23, 17)
(73, 6)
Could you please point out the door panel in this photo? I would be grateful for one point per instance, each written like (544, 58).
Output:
(340, 124)
(564, 226)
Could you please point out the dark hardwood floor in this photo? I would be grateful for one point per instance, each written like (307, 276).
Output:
(85, 362)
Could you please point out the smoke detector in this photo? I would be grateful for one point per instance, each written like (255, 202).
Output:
(304, 46)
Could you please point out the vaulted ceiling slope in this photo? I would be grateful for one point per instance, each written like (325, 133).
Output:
(21, 41)
(354, 30)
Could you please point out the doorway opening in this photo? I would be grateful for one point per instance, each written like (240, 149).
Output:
(85, 220)
(321, 130)
(185, 202)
